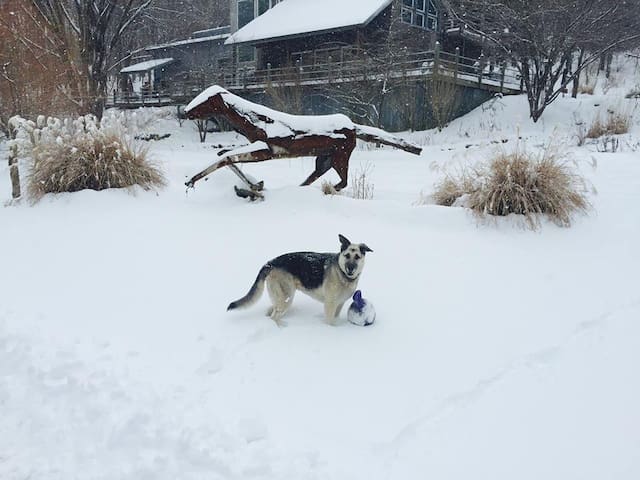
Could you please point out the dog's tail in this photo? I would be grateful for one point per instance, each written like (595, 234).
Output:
(255, 292)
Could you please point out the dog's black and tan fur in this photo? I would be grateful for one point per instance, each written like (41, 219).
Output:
(330, 278)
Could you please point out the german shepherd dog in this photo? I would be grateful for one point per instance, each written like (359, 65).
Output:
(330, 278)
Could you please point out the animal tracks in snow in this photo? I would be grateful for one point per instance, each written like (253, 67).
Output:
(542, 358)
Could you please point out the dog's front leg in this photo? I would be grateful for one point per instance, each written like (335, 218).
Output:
(330, 310)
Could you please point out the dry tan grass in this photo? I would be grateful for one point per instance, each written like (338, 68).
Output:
(328, 188)
(586, 89)
(615, 124)
(96, 163)
(519, 183)
(361, 187)
(449, 190)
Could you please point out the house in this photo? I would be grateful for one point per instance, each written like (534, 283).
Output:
(294, 31)
(179, 65)
(374, 60)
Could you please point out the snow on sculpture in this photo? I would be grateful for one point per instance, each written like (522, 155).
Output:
(273, 134)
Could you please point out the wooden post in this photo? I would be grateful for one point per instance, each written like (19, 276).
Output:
(14, 173)
(436, 59)
(481, 64)
(503, 70)
(457, 65)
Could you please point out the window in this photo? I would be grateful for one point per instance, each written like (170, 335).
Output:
(250, 9)
(246, 12)
(264, 5)
(420, 13)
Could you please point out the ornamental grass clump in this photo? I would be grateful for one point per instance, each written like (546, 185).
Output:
(69, 156)
(615, 124)
(518, 183)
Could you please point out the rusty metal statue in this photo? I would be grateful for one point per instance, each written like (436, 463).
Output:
(273, 134)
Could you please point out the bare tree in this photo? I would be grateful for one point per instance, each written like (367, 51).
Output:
(90, 30)
(35, 76)
(167, 20)
(380, 70)
(545, 37)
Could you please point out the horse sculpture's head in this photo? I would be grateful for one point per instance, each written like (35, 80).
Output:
(207, 103)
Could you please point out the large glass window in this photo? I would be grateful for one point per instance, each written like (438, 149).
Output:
(420, 13)
(246, 12)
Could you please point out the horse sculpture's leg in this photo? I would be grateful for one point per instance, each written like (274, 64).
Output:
(230, 158)
(341, 162)
(323, 164)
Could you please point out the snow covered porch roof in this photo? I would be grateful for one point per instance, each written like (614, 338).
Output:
(297, 17)
(147, 65)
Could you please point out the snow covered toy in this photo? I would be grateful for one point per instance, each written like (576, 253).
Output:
(361, 311)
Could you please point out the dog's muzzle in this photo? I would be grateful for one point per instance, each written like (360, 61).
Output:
(350, 268)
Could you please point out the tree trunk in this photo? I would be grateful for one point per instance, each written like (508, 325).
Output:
(576, 80)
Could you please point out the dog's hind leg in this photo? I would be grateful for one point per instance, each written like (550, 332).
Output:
(281, 293)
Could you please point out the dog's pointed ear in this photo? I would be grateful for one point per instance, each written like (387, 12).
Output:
(364, 249)
(344, 242)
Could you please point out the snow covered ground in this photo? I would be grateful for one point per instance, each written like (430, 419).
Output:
(498, 353)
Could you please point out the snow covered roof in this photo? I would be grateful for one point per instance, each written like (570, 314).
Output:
(147, 65)
(189, 41)
(296, 17)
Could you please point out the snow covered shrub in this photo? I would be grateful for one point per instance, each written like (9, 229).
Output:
(328, 188)
(586, 89)
(72, 155)
(453, 189)
(634, 92)
(615, 124)
(518, 183)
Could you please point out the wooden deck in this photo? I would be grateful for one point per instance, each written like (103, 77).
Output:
(468, 72)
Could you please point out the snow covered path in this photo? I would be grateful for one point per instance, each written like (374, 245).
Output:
(498, 353)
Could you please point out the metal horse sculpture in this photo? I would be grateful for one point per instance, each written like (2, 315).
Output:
(274, 134)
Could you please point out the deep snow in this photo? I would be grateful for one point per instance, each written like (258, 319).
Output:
(497, 352)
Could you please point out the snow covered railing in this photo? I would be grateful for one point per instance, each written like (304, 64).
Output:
(486, 74)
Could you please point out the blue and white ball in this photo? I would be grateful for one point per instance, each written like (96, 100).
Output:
(361, 311)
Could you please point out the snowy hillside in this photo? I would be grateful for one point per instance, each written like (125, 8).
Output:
(497, 352)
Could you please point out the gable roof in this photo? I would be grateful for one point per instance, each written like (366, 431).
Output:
(298, 17)
(146, 65)
(188, 41)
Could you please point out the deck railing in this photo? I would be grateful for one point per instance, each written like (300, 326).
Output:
(465, 70)
(475, 72)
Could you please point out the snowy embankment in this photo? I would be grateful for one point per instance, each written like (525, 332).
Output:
(497, 352)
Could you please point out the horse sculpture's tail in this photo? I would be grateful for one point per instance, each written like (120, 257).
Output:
(376, 135)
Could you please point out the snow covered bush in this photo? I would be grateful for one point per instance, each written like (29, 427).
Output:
(616, 123)
(328, 188)
(519, 183)
(451, 189)
(634, 92)
(72, 155)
